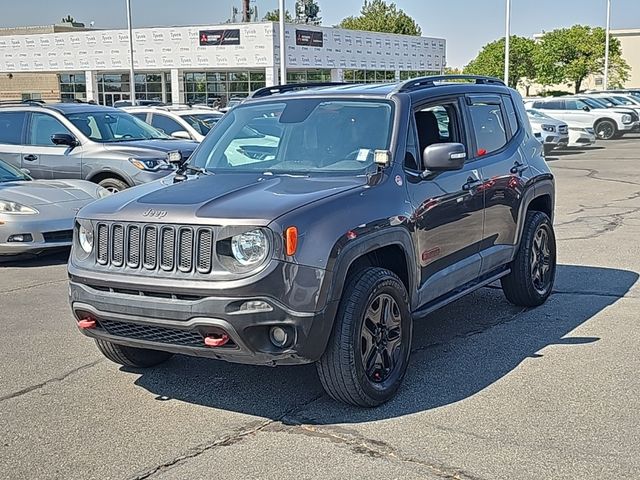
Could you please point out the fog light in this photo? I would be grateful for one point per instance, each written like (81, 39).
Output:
(20, 238)
(278, 336)
(255, 306)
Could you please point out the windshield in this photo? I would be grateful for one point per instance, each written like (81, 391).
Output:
(626, 100)
(594, 103)
(298, 136)
(113, 126)
(9, 173)
(202, 122)
(537, 113)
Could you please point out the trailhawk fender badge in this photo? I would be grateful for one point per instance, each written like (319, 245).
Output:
(155, 213)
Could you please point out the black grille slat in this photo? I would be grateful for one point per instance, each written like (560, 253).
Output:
(185, 249)
(150, 247)
(133, 247)
(102, 252)
(117, 246)
(204, 250)
(150, 333)
(167, 248)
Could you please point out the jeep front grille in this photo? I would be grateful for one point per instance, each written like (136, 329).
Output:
(165, 248)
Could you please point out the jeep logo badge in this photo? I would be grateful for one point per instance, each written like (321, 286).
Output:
(155, 213)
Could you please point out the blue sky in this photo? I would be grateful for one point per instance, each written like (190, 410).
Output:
(466, 24)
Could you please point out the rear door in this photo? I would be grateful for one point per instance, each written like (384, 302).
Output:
(53, 161)
(498, 135)
(12, 128)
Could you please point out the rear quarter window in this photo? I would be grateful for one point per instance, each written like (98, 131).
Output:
(488, 127)
(12, 127)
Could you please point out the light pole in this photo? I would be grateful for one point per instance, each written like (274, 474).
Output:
(132, 78)
(283, 50)
(605, 83)
(507, 38)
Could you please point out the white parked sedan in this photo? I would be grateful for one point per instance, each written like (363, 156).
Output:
(37, 215)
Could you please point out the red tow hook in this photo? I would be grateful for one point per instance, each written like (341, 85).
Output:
(87, 323)
(216, 340)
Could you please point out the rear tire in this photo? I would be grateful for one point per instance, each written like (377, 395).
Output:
(131, 356)
(368, 352)
(533, 270)
(114, 185)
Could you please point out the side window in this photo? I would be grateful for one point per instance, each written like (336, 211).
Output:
(572, 105)
(141, 115)
(437, 124)
(512, 116)
(166, 124)
(488, 127)
(411, 156)
(42, 127)
(553, 105)
(11, 127)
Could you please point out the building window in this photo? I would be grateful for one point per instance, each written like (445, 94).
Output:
(73, 86)
(369, 76)
(216, 88)
(31, 96)
(114, 87)
(406, 75)
(308, 76)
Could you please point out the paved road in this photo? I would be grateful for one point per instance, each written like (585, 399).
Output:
(494, 391)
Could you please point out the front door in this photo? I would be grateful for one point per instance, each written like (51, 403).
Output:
(54, 161)
(447, 206)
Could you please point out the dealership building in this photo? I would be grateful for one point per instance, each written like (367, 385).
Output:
(195, 64)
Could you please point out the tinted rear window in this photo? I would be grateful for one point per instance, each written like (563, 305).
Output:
(11, 127)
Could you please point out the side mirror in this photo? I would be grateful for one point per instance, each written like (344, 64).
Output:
(181, 134)
(441, 157)
(26, 171)
(586, 108)
(64, 139)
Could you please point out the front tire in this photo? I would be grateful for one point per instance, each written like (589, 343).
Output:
(368, 352)
(114, 185)
(131, 356)
(606, 130)
(533, 270)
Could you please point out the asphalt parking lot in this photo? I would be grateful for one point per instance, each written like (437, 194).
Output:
(493, 392)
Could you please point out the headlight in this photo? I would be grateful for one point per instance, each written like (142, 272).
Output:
(85, 236)
(102, 192)
(626, 118)
(549, 128)
(16, 208)
(250, 248)
(150, 165)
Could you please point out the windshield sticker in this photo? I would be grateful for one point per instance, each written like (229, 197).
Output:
(363, 154)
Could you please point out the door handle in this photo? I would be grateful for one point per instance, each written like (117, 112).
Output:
(471, 182)
(30, 158)
(518, 167)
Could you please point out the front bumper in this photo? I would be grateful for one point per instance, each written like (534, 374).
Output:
(36, 227)
(630, 127)
(179, 323)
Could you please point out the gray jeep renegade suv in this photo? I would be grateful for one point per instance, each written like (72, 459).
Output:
(315, 224)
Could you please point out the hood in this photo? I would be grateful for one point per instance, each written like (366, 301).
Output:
(241, 199)
(44, 192)
(148, 147)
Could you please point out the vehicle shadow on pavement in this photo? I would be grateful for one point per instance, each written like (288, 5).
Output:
(457, 352)
(59, 257)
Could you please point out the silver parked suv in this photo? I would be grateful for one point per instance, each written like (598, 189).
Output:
(101, 144)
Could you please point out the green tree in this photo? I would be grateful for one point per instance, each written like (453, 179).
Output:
(308, 11)
(570, 55)
(379, 16)
(452, 71)
(274, 16)
(490, 60)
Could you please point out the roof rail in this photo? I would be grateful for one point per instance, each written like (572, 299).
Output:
(21, 103)
(291, 87)
(430, 81)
